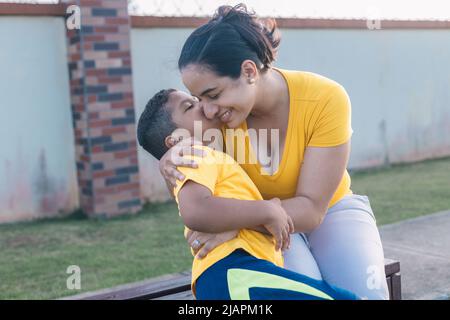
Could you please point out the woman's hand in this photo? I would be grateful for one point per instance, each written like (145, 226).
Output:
(203, 243)
(173, 158)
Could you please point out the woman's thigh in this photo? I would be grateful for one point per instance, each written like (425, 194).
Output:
(347, 247)
(299, 258)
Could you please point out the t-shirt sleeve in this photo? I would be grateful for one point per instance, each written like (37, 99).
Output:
(205, 174)
(333, 124)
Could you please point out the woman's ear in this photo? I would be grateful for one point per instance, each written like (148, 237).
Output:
(249, 71)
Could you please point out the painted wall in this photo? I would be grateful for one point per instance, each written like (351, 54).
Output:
(398, 82)
(154, 56)
(37, 166)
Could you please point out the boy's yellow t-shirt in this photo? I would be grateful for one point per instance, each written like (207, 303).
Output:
(226, 179)
(319, 116)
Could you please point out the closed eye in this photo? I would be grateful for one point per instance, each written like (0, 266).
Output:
(214, 97)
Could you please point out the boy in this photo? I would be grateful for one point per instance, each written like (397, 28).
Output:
(218, 196)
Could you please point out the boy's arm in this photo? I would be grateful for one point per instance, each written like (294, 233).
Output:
(202, 211)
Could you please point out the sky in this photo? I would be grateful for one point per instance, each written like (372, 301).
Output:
(344, 9)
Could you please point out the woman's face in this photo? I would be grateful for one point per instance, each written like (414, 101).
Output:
(229, 100)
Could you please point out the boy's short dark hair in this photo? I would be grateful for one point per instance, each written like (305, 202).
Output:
(155, 124)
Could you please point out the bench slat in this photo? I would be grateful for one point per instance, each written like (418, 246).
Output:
(178, 287)
(147, 289)
(391, 266)
(186, 295)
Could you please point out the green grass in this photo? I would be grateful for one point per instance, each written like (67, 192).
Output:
(406, 191)
(34, 256)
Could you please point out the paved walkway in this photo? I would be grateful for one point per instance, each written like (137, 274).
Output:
(422, 245)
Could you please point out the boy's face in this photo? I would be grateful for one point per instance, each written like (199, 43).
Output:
(186, 111)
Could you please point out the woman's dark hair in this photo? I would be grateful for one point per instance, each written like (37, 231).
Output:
(233, 35)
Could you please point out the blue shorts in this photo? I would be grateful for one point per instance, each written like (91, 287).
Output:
(241, 276)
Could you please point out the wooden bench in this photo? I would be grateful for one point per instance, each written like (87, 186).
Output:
(178, 287)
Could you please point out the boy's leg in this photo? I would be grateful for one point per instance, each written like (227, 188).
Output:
(241, 276)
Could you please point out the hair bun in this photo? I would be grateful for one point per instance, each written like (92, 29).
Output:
(245, 21)
(233, 34)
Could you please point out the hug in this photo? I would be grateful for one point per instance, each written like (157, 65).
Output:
(288, 228)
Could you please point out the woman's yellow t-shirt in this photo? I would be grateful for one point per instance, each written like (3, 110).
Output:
(319, 116)
(226, 179)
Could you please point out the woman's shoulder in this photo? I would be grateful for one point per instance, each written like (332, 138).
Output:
(309, 85)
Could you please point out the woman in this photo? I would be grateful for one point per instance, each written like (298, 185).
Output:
(226, 64)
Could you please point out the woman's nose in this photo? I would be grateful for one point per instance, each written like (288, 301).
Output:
(210, 110)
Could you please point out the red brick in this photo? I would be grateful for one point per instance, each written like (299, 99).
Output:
(128, 95)
(126, 62)
(106, 29)
(91, 3)
(93, 115)
(119, 54)
(136, 193)
(75, 56)
(96, 149)
(96, 72)
(78, 108)
(104, 173)
(124, 154)
(105, 190)
(116, 79)
(112, 130)
(87, 46)
(116, 21)
(100, 123)
(128, 186)
(125, 104)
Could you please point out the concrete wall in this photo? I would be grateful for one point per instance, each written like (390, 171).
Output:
(37, 167)
(398, 82)
(154, 56)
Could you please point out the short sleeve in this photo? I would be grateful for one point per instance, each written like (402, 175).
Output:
(205, 174)
(332, 127)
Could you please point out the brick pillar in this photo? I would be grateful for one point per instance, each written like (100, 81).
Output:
(103, 108)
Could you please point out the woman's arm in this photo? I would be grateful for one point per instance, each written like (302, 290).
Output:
(201, 211)
(321, 173)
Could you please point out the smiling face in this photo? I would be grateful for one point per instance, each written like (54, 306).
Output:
(222, 99)
(185, 111)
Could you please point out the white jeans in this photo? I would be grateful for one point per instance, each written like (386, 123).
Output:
(345, 250)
